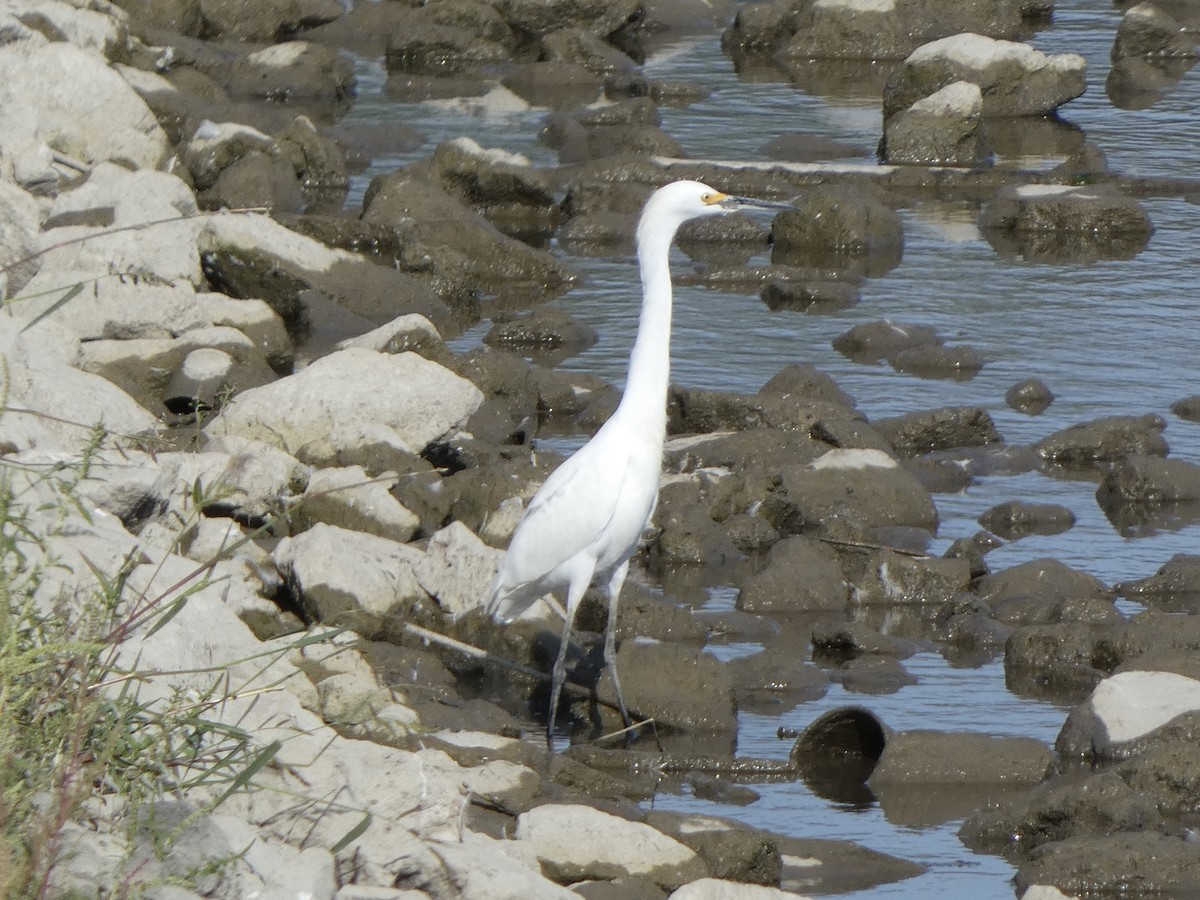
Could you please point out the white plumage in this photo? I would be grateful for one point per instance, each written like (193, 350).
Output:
(585, 522)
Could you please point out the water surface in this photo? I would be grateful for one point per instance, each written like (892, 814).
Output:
(1109, 338)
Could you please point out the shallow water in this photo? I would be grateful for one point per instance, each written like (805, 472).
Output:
(1109, 338)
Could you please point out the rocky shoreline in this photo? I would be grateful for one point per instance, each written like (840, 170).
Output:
(270, 429)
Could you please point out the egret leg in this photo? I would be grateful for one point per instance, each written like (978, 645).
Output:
(558, 674)
(610, 636)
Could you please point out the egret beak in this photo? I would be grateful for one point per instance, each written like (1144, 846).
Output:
(753, 203)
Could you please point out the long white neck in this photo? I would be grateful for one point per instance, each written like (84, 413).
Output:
(650, 362)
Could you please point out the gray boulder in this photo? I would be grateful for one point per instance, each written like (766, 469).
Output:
(848, 495)
(801, 574)
(1061, 807)
(943, 129)
(1015, 79)
(293, 70)
(846, 29)
(265, 20)
(1104, 440)
(1148, 30)
(843, 221)
(1124, 710)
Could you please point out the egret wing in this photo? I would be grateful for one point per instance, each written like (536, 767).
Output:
(567, 517)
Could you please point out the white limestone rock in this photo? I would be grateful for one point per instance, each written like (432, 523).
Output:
(457, 569)
(350, 498)
(108, 121)
(350, 578)
(351, 398)
(576, 842)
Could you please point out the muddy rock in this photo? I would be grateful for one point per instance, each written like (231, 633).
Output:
(1097, 211)
(574, 44)
(256, 181)
(214, 146)
(933, 757)
(252, 21)
(801, 574)
(1016, 519)
(1030, 396)
(870, 342)
(1047, 579)
(1148, 481)
(1104, 440)
(293, 70)
(1016, 79)
(731, 851)
(1057, 660)
(1175, 587)
(804, 380)
(916, 433)
(942, 129)
(849, 223)
(1161, 864)
(410, 333)
(249, 255)
(1147, 30)
(817, 408)
(454, 239)
(885, 576)
(850, 496)
(697, 697)
(557, 85)
(771, 682)
(547, 333)
(1062, 807)
(438, 39)
(688, 535)
(1188, 408)
(349, 498)
(318, 161)
(810, 296)
(847, 30)
(600, 17)
(503, 187)
(856, 638)
(762, 26)
(573, 843)
(503, 377)
(198, 369)
(1166, 772)
(934, 361)
(872, 674)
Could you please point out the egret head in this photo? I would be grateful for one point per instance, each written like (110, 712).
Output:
(678, 202)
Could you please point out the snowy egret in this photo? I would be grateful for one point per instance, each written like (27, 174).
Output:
(585, 521)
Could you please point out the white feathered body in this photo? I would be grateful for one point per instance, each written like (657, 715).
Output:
(585, 522)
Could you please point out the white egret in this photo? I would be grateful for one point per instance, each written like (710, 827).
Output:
(585, 521)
